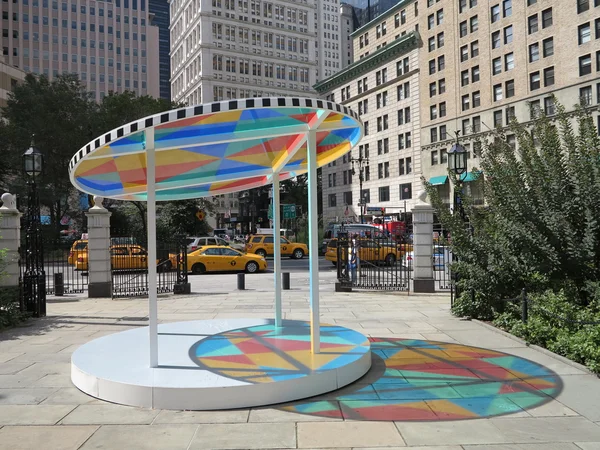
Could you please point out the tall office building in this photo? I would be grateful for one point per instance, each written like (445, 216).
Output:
(364, 11)
(9, 78)
(159, 17)
(109, 45)
(382, 85)
(485, 62)
(226, 49)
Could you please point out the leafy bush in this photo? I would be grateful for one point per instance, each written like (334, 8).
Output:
(539, 231)
(558, 325)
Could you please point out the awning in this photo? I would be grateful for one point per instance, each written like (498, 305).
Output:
(470, 176)
(438, 181)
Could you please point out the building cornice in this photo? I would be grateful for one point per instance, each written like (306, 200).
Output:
(401, 5)
(400, 46)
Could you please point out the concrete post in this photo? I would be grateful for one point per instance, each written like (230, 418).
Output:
(99, 273)
(10, 239)
(423, 246)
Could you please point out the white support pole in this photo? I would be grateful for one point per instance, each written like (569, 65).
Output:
(313, 243)
(151, 220)
(277, 249)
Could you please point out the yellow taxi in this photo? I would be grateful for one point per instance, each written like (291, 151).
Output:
(122, 257)
(371, 251)
(213, 258)
(262, 244)
(78, 248)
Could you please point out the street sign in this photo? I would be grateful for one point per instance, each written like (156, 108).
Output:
(289, 211)
(270, 211)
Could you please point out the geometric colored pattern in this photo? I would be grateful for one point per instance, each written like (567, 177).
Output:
(414, 380)
(216, 148)
(265, 354)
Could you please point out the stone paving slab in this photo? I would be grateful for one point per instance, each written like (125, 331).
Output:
(35, 388)
(348, 434)
(141, 437)
(245, 436)
(44, 437)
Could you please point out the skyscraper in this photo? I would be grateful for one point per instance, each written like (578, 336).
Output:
(159, 12)
(109, 45)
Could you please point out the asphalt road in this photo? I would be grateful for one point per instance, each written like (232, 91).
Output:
(300, 265)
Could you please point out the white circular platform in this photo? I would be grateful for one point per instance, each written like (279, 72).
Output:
(219, 364)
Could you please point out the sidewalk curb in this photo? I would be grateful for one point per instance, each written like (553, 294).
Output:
(543, 350)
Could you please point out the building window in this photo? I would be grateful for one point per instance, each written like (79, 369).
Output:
(497, 119)
(495, 13)
(497, 92)
(433, 114)
(534, 81)
(496, 42)
(584, 33)
(474, 23)
(510, 88)
(547, 18)
(433, 136)
(582, 6)
(510, 114)
(509, 61)
(532, 24)
(442, 109)
(443, 157)
(474, 49)
(475, 74)
(534, 52)
(463, 29)
(548, 46)
(496, 66)
(549, 106)
(384, 194)
(464, 78)
(406, 191)
(465, 102)
(585, 96)
(464, 53)
(432, 89)
(476, 99)
(332, 200)
(507, 8)
(508, 35)
(434, 158)
(476, 128)
(549, 76)
(585, 65)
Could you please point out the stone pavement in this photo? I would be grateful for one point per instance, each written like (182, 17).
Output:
(40, 409)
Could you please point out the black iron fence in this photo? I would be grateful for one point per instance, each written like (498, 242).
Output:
(372, 264)
(129, 266)
(65, 266)
(441, 259)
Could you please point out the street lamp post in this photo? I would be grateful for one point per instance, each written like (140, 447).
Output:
(360, 162)
(34, 278)
(457, 163)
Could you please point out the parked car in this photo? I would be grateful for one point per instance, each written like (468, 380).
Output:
(80, 247)
(123, 257)
(370, 250)
(441, 258)
(262, 244)
(194, 243)
(215, 258)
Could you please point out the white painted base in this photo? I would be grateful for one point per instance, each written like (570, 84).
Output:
(116, 368)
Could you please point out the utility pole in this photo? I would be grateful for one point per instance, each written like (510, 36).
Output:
(361, 163)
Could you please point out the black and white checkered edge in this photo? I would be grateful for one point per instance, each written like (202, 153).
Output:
(228, 105)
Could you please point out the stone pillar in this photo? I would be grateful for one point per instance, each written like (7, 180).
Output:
(423, 247)
(10, 239)
(99, 273)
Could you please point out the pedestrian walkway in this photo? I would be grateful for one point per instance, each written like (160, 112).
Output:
(437, 382)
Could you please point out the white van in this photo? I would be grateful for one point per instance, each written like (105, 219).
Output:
(285, 232)
(362, 229)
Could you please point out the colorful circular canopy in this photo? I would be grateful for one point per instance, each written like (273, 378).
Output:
(215, 148)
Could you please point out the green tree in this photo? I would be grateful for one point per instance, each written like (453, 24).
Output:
(539, 229)
(60, 115)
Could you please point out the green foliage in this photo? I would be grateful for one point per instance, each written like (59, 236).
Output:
(539, 231)
(559, 325)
